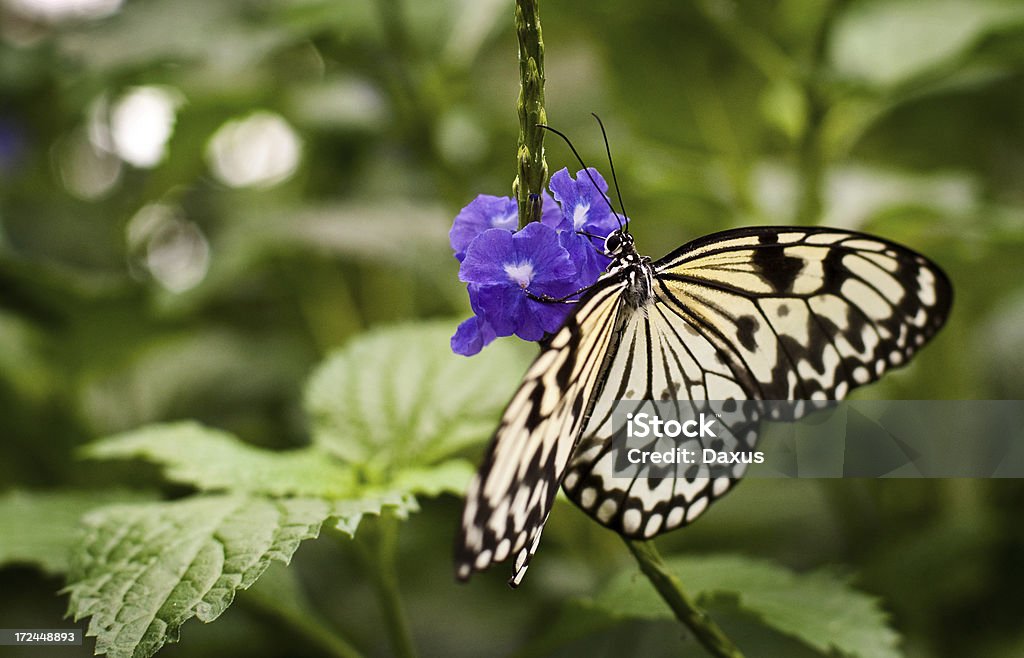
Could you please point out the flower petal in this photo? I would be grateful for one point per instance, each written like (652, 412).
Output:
(589, 261)
(538, 244)
(551, 212)
(584, 206)
(471, 336)
(500, 306)
(484, 212)
(486, 256)
(549, 316)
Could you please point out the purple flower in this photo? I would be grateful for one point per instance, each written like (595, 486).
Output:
(482, 213)
(472, 335)
(500, 267)
(486, 212)
(503, 268)
(584, 208)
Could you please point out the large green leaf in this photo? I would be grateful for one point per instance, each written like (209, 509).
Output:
(143, 570)
(394, 406)
(41, 528)
(399, 397)
(213, 460)
(819, 608)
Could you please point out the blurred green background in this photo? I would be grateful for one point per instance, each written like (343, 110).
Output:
(200, 199)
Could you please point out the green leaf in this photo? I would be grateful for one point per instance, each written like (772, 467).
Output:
(820, 608)
(215, 35)
(449, 477)
(784, 106)
(213, 460)
(41, 528)
(872, 42)
(399, 397)
(143, 570)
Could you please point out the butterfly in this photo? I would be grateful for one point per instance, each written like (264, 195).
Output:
(762, 313)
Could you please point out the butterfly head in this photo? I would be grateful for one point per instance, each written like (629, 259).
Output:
(619, 243)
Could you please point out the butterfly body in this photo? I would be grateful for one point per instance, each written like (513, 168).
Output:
(627, 264)
(764, 313)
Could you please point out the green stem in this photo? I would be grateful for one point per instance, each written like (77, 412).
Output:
(386, 581)
(331, 642)
(812, 155)
(812, 163)
(302, 621)
(532, 170)
(700, 624)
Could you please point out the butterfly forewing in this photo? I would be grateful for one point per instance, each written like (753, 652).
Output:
(813, 312)
(771, 313)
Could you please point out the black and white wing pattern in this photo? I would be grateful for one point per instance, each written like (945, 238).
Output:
(762, 314)
(509, 499)
(766, 313)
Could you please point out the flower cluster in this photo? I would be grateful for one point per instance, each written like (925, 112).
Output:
(552, 257)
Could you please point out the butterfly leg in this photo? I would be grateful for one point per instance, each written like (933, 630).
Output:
(571, 298)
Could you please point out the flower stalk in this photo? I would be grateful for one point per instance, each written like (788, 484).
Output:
(532, 169)
(703, 627)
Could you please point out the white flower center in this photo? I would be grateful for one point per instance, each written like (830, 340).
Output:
(579, 215)
(521, 273)
(505, 220)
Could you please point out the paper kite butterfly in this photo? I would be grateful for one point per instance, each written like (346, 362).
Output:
(764, 313)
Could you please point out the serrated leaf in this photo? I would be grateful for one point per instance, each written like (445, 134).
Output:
(820, 608)
(41, 528)
(449, 477)
(347, 514)
(399, 397)
(143, 570)
(214, 460)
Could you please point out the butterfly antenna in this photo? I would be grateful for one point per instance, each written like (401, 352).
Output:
(611, 165)
(586, 170)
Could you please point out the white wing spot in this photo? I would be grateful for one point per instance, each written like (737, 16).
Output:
(653, 525)
(698, 506)
(606, 511)
(521, 559)
(631, 521)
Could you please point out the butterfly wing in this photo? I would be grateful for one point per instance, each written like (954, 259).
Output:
(509, 499)
(773, 313)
